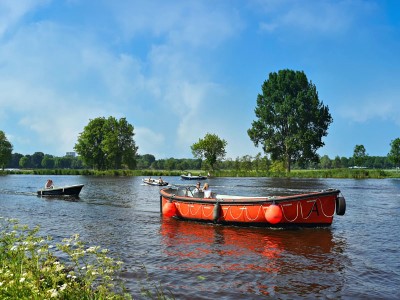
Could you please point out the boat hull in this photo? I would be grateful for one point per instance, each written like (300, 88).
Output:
(155, 182)
(187, 177)
(72, 190)
(313, 209)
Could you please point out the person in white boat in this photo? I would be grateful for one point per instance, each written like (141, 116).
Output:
(160, 180)
(207, 191)
(49, 184)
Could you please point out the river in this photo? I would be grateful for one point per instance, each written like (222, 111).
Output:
(356, 258)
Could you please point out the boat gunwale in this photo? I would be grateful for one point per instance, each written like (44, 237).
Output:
(63, 187)
(51, 192)
(248, 200)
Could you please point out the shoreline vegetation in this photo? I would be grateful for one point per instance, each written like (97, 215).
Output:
(341, 173)
(37, 267)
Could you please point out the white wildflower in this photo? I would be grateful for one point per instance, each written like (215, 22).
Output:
(53, 293)
(92, 249)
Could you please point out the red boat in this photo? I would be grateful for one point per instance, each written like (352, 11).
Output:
(311, 209)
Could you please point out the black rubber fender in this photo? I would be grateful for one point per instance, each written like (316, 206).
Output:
(216, 212)
(340, 206)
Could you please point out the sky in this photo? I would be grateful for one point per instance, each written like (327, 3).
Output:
(177, 70)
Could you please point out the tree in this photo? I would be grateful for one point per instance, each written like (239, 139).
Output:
(118, 144)
(36, 159)
(394, 154)
(211, 147)
(344, 161)
(48, 161)
(291, 118)
(89, 144)
(25, 161)
(15, 157)
(5, 150)
(64, 162)
(107, 143)
(145, 161)
(359, 155)
(325, 162)
(337, 162)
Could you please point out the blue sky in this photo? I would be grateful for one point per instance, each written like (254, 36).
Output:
(180, 69)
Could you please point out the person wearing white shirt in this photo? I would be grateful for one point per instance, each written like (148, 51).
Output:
(207, 191)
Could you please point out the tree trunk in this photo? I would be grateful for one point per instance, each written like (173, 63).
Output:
(288, 162)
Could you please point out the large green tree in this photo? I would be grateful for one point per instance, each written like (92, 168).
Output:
(291, 118)
(107, 144)
(211, 147)
(394, 154)
(359, 155)
(5, 150)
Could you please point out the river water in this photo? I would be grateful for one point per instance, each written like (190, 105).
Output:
(356, 258)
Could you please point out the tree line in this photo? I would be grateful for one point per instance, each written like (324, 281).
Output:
(360, 159)
(290, 124)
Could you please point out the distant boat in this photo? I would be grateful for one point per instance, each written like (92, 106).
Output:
(154, 182)
(311, 209)
(70, 190)
(191, 177)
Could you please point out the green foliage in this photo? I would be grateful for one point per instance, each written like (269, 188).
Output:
(394, 154)
(145, 161)
(211, 147)
(277, 166)
(5, 150)
(36, 159)
(359, 155)
(291, 119)
(24, 161)
(107, 144)
(48, 162)
(29, 268)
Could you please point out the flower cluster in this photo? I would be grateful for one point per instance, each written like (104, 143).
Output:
(29, 269)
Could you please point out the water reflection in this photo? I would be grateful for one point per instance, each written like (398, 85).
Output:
(278, 258)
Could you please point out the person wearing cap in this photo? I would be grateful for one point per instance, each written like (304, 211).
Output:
(197, 189)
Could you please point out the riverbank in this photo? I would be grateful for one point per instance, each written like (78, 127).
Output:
(29, 268)
(322, 173)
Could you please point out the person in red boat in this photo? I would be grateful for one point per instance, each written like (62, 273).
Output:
(197, 189)
(207, 191)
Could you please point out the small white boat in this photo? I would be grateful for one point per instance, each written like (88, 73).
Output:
(193, 177)
(154, 182)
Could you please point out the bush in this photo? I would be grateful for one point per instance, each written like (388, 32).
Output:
(30, 270)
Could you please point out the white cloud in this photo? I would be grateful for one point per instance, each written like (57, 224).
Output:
(184, 23)
(12, 11)
(383, 106)
(149, 141)
(55, 79)
(311, 16)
